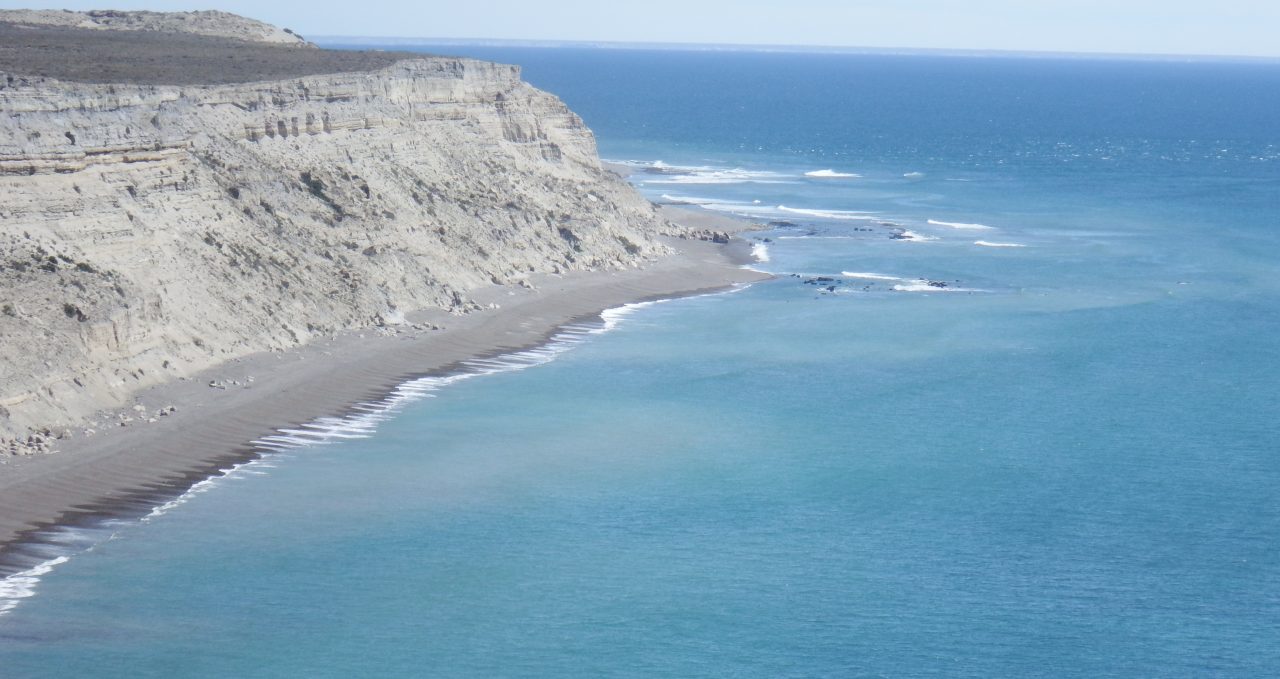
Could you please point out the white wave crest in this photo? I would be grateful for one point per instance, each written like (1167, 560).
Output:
(831, 174)
(362, 422)
(760, 252)
(922, 285)
(817, 238)
(754, 210)
(631, 163)
(732, 207)
(741, 209)
(913, 175)
(849, 215)
(692, 200)
(913, 237)
(19, 586)
(661, 173)
(990, 244)
(871, 276)
(962, 225)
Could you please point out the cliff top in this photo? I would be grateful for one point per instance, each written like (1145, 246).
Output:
(214, 23)
(168, 52)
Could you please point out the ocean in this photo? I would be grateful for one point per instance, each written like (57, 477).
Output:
(1009, 409)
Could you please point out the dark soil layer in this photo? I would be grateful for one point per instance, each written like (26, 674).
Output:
(155, 58)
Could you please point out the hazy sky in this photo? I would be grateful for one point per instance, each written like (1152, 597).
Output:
(1232, 27)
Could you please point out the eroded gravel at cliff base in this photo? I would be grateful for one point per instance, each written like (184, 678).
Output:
(156, 58)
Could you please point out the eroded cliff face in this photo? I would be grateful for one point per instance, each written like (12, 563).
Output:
(149, 232)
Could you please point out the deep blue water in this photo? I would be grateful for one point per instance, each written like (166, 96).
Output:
(1062, 464)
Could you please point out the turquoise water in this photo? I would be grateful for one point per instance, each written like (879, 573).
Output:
(1061, 464)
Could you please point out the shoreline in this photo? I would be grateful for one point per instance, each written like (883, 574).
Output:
(128, 471)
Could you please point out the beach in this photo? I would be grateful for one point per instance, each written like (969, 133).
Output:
(124, 471)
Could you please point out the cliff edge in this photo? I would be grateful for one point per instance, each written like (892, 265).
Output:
(152, 229)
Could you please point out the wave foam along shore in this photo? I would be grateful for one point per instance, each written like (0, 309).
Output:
(843, 215)
(962, 225)
(330, 168)
(912, 237)
(831, 174)
(871, 276)
(40, 551)
(922, 285)
(658, 172)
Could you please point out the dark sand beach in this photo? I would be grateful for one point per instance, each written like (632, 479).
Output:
(125, 471)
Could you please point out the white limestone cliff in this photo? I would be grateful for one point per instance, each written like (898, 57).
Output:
(149, 232)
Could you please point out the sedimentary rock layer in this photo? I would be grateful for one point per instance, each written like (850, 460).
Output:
(154, 230)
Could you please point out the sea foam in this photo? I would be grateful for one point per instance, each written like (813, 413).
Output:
(659, 172)
(755, 210)
(691, 200)
(922, 285)
(818, 238)
(58, 544)
(850, 215)
(19, 586)
(737, 208)
(990, 244)
(962, 225)
(913, 237)
(871, 276)
(831, 174)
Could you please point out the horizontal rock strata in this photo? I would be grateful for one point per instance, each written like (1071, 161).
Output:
(154, 230)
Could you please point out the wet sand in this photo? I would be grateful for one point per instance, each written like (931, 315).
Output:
(125, 471)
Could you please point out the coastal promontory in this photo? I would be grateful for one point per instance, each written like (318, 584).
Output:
(180, 191)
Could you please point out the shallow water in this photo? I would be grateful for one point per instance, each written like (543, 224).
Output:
(1061, 464)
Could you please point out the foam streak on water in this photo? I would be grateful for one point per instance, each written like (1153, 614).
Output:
(831, 174)
(962, 225)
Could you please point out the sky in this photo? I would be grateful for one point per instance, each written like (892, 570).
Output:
(1192, 27)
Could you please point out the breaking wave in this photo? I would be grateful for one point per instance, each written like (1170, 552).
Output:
(59, 544)
(850, 215)
(871, 276)
(658, 172)
(962, 225)
(922, 285)
(912, 236)
(831, 174)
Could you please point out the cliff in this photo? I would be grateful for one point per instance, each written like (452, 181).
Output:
(149, 231)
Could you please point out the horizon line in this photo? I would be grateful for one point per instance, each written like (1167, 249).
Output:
(785, 48)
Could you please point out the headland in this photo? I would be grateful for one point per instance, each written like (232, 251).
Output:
(216, 233)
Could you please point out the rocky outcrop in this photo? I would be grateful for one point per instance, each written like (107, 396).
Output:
(210, 23)
(152, 231)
